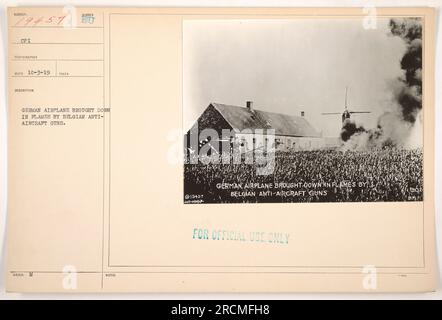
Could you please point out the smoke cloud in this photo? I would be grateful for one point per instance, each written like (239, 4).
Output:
(409, 95)
(349, 128)
(401, 126)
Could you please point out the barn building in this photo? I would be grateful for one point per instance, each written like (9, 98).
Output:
(291, 132)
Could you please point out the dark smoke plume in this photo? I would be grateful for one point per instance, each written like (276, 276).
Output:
(349, 128)
(409, 95)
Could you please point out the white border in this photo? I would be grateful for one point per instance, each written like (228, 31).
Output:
(218, 3)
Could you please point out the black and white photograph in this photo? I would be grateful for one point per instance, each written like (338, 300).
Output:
(302, 110)
(286, 150)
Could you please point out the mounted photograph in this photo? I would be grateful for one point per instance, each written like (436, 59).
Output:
(302, 110)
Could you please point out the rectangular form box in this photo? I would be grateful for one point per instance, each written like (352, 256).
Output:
(96, 179)
(33, 36)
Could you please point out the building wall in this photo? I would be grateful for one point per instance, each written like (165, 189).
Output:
(209, 119)
(212, 119)
(300, 143)
(282, 143)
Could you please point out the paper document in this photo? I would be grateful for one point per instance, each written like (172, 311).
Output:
(220, 150)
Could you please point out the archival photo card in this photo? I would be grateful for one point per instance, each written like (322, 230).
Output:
(302, 110)
(244, 150)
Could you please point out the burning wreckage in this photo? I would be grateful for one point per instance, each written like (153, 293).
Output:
(401, 126)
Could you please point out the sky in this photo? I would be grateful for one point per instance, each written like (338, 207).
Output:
(289, 66)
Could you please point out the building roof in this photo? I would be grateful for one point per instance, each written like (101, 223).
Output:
(241, 118)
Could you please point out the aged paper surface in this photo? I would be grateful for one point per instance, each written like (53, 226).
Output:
(100, 199)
